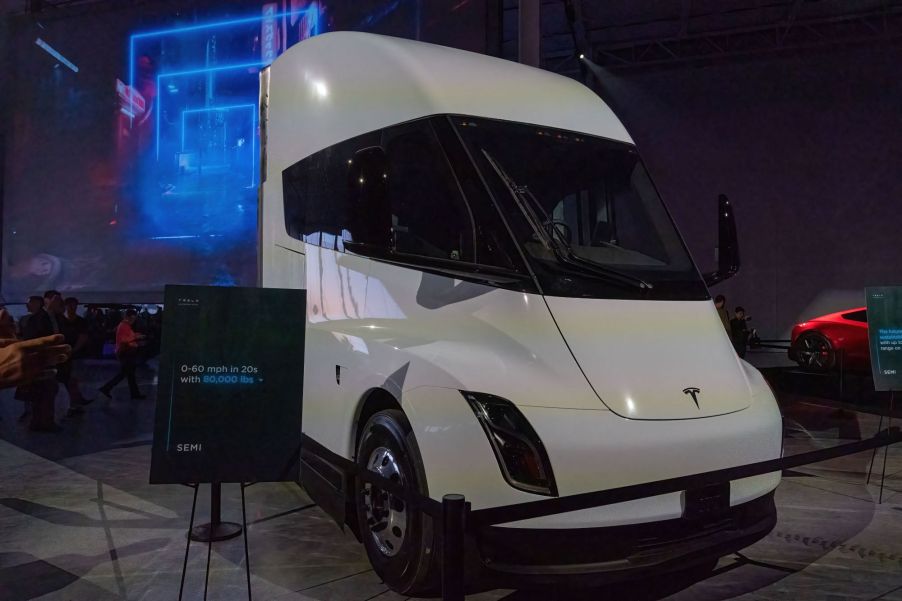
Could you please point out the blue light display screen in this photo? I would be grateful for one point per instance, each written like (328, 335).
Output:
(132, 157)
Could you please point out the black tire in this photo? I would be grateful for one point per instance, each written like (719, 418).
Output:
(814, 352)
(400, 548)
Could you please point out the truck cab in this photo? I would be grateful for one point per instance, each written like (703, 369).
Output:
(498, 305)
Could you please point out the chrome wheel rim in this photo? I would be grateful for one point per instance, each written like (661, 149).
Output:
(815, 352)
(386, 514)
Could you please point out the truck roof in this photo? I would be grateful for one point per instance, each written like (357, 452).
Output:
(338, 85)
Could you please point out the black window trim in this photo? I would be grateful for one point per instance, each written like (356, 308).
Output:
(524, 260)
(473, 271)
(460, 189)
(853, 315)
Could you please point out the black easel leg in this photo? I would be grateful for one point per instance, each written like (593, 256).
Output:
(874, 453)
(188, 546)
(842, 373)
(207, 575)
(889, 426)
(247, 561)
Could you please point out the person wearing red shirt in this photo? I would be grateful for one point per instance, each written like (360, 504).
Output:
(127, 343)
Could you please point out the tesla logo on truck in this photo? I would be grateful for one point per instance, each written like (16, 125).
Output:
(693, 392)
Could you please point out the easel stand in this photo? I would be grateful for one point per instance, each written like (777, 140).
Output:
(885, 449)
(216, 530)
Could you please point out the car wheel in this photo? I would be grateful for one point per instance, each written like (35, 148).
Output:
(398, 538)
(814, 352)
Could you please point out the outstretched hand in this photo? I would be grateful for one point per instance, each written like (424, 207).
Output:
(22, 362)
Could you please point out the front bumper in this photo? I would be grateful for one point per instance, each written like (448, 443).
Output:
(591, 451)
(611, 554)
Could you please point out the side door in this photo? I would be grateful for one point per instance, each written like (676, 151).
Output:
(319, 194)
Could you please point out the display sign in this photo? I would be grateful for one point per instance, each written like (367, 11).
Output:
(230, 386)
(885, 336)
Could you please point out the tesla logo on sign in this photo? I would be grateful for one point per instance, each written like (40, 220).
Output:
(693, 392)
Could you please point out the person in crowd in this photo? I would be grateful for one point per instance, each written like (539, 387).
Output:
(53, 305)
(95, 331)
(56, 310)
(32, 306)
(127, 344)
(720, 303)
(41, 392)
(739, 331)
(7, 324)
(74, 328)
(24, 361)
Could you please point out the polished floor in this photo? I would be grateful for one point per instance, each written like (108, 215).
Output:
(79, 522)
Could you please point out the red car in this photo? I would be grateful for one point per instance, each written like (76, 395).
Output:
(834, 341)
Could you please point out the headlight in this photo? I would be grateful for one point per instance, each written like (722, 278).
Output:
(518, 449)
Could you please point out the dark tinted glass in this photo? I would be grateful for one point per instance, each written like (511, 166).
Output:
(294, 194)
(320, 195)
(595, 197)
(429, 214)
(494, 245)
(860, 316)
(410, 190)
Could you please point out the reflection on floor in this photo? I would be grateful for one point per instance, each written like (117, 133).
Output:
(78, 522)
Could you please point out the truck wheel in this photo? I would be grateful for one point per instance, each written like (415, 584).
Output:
(814, 352)
(398, 539)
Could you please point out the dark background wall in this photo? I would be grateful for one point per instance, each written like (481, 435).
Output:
(111, 198)
(792, 108)
(798, 123)
(807, 146)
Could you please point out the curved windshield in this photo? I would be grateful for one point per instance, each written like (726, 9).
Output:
(583, 210)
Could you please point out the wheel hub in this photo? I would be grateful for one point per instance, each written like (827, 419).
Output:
(814, 353)
(386, 514)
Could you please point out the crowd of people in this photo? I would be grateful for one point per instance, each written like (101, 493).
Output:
(737, 326)
(39, 353)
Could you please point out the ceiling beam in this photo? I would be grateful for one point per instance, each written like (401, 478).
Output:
(803, 33)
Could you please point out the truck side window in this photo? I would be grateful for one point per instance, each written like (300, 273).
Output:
(430, 216)
(318, 202)
(294, 191)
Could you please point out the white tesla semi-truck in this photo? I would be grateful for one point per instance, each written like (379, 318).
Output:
(499, 305)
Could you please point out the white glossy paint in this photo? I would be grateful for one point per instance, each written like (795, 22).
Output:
(423, 338)
(640, 355)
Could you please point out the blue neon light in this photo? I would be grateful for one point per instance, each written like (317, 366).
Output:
(254, 146)
(210, 110)
(52, 52)
(253, 136)
(255, 65)
(163, 32)
(210, 169)
(161, 76)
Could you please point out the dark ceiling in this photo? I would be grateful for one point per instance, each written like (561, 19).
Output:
(637, 33)
(624, 34)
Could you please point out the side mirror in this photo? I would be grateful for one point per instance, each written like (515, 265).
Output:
(727, 244)
(371, 223)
